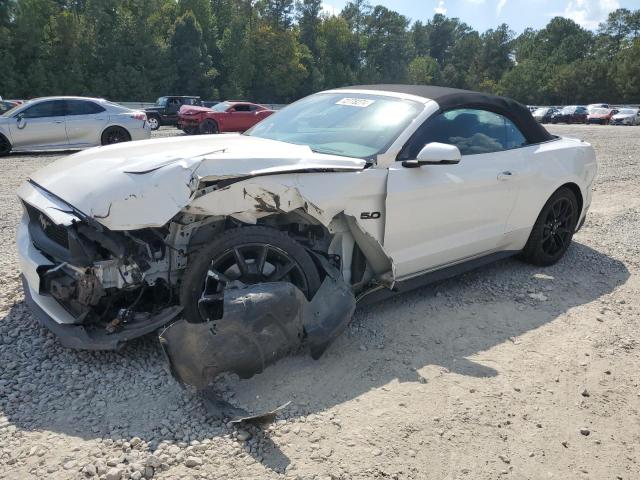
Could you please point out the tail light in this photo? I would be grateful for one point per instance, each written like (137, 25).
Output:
(139, 116)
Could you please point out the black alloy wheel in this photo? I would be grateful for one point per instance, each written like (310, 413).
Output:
(557, 227)
(247, 255)
(554, 228)
(115, 135)
(253, 263)
(208, 127)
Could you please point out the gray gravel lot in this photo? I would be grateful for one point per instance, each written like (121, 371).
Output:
(511, 371)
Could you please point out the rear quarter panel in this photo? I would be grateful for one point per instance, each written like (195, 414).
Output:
(546, 167)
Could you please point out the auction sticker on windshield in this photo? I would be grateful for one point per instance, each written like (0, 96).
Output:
(355, 102)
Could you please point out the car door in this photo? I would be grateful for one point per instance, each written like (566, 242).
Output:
(173, 106)
(40, 126)
(438, 215)
(85, 120)
(242, 117)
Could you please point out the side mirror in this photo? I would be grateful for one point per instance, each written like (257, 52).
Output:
(435, 153)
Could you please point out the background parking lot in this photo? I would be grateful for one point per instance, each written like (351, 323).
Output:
(513, 371)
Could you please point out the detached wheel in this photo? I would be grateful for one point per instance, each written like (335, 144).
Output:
(190, 130)
(250, 255)
(154, 122)
(5, 146)
(114, 135)
(553, 230)
(208, 127)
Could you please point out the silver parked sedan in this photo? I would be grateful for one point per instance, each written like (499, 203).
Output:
(55, 123)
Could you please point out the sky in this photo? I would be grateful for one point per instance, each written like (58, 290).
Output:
(518, 14)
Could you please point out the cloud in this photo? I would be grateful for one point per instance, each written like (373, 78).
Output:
(500, 6)
(589, 13)
(440, 8)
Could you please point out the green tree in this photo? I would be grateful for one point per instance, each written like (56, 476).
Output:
(387, 50)
(194, 71)
(423, 70)
(338, 52)
(627, 73)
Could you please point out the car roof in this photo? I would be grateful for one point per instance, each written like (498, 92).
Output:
(454, 98)
(93, 99)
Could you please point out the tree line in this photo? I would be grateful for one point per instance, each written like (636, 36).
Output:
(275, 51)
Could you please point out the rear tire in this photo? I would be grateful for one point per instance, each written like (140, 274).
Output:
(251, 255)
(113, 135)
(553, 230)
(209, 127)
(154, 122)
(5, 146)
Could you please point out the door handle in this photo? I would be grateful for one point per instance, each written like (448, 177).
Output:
(506, 175)
(58, 121)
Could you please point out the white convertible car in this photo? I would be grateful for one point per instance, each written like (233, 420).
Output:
(247, 245)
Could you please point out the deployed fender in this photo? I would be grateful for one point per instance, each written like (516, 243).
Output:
(260, 324)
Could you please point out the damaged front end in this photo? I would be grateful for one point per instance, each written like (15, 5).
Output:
(94, 288)
(259, 324)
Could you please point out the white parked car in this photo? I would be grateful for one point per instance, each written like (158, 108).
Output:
(347, 194)
(626, 116)
(59, 123)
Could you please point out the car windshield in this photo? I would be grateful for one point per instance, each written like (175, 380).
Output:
(568, 109)
(161, 102)
(600, 111)
(627, 111)
(346, 124)
(220, 107)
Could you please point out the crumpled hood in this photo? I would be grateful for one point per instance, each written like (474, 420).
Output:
(143, 184)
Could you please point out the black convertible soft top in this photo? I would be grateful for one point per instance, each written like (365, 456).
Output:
(452, 98)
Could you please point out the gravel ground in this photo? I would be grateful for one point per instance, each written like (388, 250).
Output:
(511, 371)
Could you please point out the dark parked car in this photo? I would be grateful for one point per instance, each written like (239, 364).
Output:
(165, 111)
(570, 114)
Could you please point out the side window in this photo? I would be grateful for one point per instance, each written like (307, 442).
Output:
(83, 107)
(472, 131)
(243, 108)
(51, 108)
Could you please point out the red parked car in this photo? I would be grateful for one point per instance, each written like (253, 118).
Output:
(601, 115)
(223, 117)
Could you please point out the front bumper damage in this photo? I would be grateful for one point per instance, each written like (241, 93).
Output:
(81, 337)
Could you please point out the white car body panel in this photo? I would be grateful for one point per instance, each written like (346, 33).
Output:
(465, 206)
